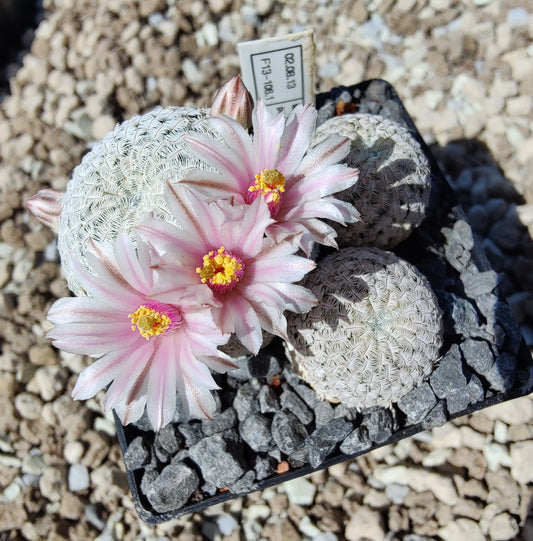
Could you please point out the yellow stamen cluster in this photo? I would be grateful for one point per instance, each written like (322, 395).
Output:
(149, 322)
(219, 268)
(269, 181)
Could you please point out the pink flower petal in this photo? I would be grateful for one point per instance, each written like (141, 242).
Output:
(267, 136)
(198, 402)
(195, 215)
(100, 373)
(330, 151)
(76, 310)
(236, 137)
(105, 285)
(129, 263)
(161, 386)
(92, 340)
(318, 184)
(296, 138)
(296, 298)
(282, 269)
(251, 228)
(166, 237)
(246, 323)
(328, 207)
(131, 382)
(223, 158)
(214, 186)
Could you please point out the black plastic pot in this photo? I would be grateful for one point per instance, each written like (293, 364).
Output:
(484, 361)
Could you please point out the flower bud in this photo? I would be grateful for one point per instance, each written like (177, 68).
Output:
(45, 205)
(234, 100)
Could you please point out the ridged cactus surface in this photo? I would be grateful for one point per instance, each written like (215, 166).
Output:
(375, 333)
(392, 192)
(123, 178)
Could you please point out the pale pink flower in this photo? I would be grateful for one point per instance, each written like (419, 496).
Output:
(235, 101)
(276, 162)
(146, 349)
(222, 249)
(46, 206)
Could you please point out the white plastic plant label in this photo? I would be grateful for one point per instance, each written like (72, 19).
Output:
(279, 70)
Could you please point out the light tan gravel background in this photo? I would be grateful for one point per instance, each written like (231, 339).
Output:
(462, 69)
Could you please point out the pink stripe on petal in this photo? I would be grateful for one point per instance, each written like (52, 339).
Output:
(70, 337)
(133, 410)
(195, 215)
(220, 364)
(328, 207)
(268, 130)
(320, 184)
(158, 232)
(199, 402)
(128, 262)
(104, 286)
(201, 322)
(296, 138)
(280, 231)
(226, 160)
(270, 315)
(321, 232)
(275, 249)
(161, 386)
(328, 152)
(247, 324)
(253, 227)
(297, 298)
(214, 187)
(285, 269)
(130, 381)
(99, 374)
(236, 137)
(80, 309)
(198, 372)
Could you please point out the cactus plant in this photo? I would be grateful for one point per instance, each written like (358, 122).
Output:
(392, 192)
(123, 178)
(375, 333)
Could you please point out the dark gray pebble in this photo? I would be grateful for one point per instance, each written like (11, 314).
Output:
(268, 400)
(290, 401)
(288, 432)
(255, 431)
(417, 403)
(379, 424)
(168, 439)
(219, 422)
(246, 400)
(448, 376)
(438, 416)
(192, 432)
(356, 442)
(323, 441)
(137, 454)
(218, 458)
(264, 467)
(501, 375)
(173, 488)
(459, 400)
(477, 354)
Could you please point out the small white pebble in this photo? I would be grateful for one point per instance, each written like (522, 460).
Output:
(78, 478)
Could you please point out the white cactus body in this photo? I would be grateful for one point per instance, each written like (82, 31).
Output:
(375, 333)
(123, 178)
(392, 192)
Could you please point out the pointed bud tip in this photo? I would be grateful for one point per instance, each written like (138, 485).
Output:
(234, 100)
(46, 206)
